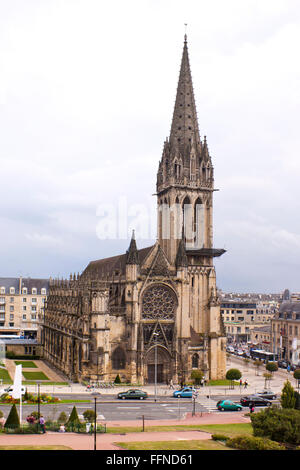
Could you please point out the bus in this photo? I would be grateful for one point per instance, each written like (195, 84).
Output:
(263, 355)
(8, 337)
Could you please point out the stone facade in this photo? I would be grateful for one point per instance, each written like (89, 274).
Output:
(157, 305)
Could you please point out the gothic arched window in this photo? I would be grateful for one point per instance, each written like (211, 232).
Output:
(118, 359)
(195, 361)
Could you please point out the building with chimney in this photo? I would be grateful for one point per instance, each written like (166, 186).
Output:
(150, 314)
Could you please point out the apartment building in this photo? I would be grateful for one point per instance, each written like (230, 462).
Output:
(286, 332)
(21, 304)
(244, 313)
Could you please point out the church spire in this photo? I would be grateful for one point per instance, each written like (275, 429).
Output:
(132, 254)
(184, 128)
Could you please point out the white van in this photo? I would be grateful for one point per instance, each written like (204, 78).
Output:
(9, 390)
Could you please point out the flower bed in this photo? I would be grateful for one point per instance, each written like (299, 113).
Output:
(28, 398)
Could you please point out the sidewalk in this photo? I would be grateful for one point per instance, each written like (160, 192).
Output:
(255, 380)
(107, 441)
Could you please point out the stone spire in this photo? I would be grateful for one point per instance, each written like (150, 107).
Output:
(184, 129)
(132, 254)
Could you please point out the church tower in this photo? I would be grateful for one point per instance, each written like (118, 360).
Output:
(185, 187)
(185, 181)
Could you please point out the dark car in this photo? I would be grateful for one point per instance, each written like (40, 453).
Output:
(268, 394)
(133, 393)
(282, 364)
(256, 400)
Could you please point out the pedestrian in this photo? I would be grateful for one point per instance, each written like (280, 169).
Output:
(251, 407)
(202, 382)
(42, 424)
(245, 384)
(241, 382)
(62, 428)
(171, 385)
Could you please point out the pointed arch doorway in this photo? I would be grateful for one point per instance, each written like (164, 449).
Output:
(164, 365)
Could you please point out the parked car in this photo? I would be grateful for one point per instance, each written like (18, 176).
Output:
(10, 389)
(258, 401)
(133, 393)
(282, 364)
(268, 394)
(228, 405)
(185, 392)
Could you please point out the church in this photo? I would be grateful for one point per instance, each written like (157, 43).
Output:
(152, 313)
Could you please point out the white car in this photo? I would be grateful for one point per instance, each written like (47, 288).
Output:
(9, 390)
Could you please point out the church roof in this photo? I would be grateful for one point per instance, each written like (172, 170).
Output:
(109, 266)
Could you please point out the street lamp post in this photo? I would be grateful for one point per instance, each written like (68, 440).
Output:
(95, 425)
(155, 366)
(38, 385)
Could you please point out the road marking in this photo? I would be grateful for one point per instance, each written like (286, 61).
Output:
(129, 407)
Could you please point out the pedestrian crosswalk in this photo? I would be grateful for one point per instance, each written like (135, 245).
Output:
(208, 404)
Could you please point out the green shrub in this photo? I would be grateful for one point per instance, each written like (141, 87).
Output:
(197, 376)
(62, 419)
(287, 398)
(219, 437)
(52, 426)
(278, 424)
(297, 400)
(253, 443)
(117, 379)
(12, 421)
(89, 415)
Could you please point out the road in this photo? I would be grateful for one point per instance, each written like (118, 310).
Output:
(111, 409)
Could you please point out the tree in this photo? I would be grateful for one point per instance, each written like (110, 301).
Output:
(196, 376)
(62, 418)
(288, 399)
(117, 379)
(267, 377)
(257, 364)
(297, 400)
(89, 416)
(12, 421)
(233, 374)
(297, 376)
(73, 418)
(271, 367)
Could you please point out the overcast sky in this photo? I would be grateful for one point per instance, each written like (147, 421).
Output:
(87, 90)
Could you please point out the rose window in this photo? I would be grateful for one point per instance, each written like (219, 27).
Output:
(159, 302)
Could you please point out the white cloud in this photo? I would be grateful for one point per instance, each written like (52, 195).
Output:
(86, 101)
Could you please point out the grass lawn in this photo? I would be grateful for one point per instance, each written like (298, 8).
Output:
(226, 429)
(213, 383)
(27, 364)
(35, 376)
(35, 448)
(173, 445)
(5, 377)
(231, 430)
(30, 382)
